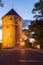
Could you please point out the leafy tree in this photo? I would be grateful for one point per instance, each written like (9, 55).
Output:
(37, 25)
(1, 4)
(38, 7)
(37, 28)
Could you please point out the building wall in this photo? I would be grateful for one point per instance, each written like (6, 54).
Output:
(10, 34)
(18, 30)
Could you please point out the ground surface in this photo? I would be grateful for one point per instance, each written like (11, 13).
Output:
(21, 57)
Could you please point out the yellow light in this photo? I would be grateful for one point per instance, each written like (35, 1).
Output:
(38, 46)
(22, 43)
(20, 39)
(8, 33)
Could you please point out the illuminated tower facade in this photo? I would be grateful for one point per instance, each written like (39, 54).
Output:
(11, 29)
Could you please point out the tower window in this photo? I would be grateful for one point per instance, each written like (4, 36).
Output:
(15, 26)
(7, 26)
(19, 19)
(10, 18)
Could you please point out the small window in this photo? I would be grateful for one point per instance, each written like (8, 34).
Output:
(10, 18)
(19, 19)
(15, 26)
(7, 26)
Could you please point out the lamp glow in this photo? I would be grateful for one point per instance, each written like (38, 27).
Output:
(22, 43)
(32, 40)
(8, 33)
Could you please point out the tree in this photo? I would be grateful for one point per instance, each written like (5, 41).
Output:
(37, 28)
(38, 7)
(1, 4)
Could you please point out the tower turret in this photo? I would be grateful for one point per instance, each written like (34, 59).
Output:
(11, 29)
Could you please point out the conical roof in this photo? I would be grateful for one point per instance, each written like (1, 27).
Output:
(12, 12)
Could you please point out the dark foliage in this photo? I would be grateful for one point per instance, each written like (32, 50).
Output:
(37, 28)
(38, 7)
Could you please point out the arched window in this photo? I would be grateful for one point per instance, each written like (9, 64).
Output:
(19, 19)
(10, 18)
(16, 27)
(7, 26)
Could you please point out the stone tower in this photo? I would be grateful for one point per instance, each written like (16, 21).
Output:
(11, 30)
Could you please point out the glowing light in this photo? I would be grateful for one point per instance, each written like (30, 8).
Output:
(32, 32)
(20, 39)
(24, 37)
(32, 40)
(38, 46)
(8, 33)
(22, 43)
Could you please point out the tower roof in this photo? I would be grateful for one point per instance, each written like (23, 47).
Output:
(12, 12)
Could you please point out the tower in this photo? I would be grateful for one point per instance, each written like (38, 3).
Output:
(11, 29)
